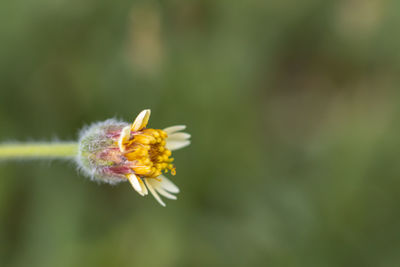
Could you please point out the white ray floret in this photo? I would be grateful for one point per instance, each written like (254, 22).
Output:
(144, 188)
(166, 194)
(174, 129)
(176, 139)
(163, 186)
(168, 185)
(153, 192)
(175, 145)
(179, 136)
(134, 180)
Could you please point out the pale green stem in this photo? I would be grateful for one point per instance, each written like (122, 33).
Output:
(38, 150)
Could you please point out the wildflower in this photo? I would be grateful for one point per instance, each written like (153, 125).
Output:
(114, 151)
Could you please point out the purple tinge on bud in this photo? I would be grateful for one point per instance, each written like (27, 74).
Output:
(99, 155)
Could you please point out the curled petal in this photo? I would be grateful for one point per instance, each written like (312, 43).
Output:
(123, 138)
(134, 180)
(141, 120)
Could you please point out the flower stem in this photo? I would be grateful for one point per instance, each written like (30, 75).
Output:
(38, 150)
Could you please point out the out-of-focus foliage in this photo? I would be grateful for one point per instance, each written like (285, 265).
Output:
(294, 111)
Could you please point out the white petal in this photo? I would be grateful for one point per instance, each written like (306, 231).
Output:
(125, 135)
(134, 180)
(154, 193)
(166, 194)
(174, 129)
(144, 188)
(155, 183)
(168, 185)
(141, 120)
(178, 137)
(158, 186)
(175, 145)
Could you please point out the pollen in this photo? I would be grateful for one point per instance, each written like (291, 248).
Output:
(148, 154)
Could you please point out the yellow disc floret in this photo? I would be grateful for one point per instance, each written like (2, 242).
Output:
(148, 154)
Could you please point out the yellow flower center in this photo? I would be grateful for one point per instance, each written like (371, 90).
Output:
(146, 149)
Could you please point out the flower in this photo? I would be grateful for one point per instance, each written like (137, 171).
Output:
(114, 151)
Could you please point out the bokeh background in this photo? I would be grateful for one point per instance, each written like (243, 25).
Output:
(293, 107)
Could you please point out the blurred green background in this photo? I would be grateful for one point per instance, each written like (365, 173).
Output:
(294, 112)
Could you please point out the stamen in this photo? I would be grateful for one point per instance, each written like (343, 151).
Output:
(146, 150)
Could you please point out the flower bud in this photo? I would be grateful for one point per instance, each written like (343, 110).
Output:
(114, 151)
(99, 156)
